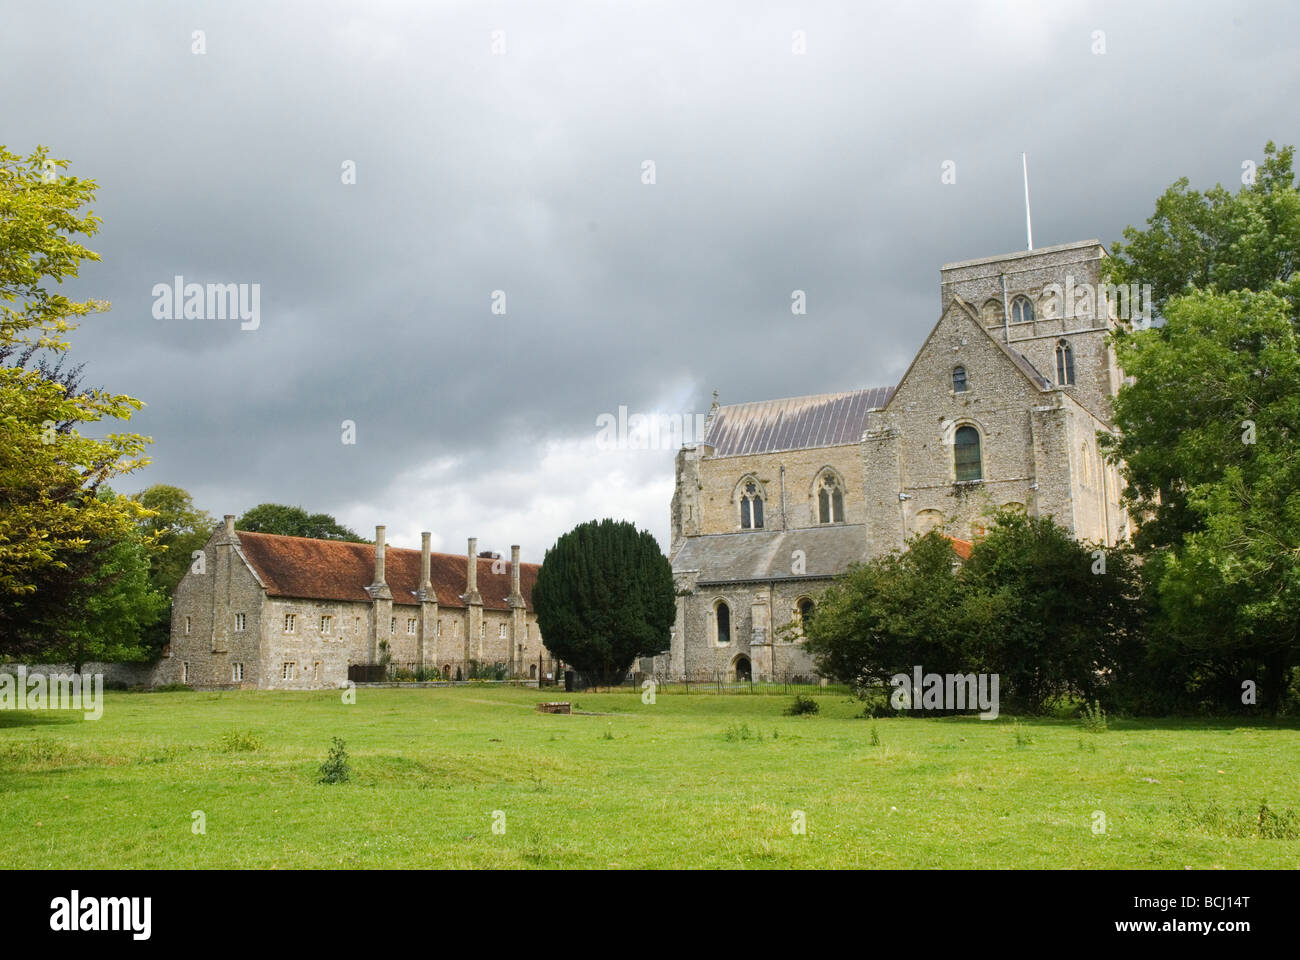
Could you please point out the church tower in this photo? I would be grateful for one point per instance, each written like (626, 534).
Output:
(1050, 306)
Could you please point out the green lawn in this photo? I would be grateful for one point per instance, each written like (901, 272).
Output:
(691, 781)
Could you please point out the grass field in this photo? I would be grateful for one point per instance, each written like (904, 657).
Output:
(690, 781)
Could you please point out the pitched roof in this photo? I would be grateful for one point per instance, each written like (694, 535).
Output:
(795, 423)
(335, 570)
(961, 547)
(766, 554)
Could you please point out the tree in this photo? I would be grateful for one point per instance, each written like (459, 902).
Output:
(892, 613)
(95, 603)
(49, 473)
(177, 527)
(295, 522)
(1209, 426)
(1058, 610)
(603, 596)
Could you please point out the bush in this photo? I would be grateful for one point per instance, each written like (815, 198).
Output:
(1093, 717)
(240, 741)
(335, 768)
(802, 705)
(172, 688)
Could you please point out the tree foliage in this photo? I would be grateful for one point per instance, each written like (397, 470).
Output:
(1026, 606)
(295, 522)
(1209, 429)
(604, 596)
(177, 527)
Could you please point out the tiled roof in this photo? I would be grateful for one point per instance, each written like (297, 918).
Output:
(334, 570)
(795, 423)
(961, 547)
(766, 554)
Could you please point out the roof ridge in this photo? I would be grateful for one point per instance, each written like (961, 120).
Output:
(808, 396)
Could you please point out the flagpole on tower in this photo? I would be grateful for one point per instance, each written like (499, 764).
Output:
(1029, 226)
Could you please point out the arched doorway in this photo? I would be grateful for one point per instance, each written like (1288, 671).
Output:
(742, 671)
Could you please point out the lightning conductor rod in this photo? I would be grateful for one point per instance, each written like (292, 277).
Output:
(1029, 226)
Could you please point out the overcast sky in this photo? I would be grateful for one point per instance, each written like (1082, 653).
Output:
(523, 171)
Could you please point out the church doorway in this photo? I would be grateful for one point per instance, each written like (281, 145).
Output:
(743, 672)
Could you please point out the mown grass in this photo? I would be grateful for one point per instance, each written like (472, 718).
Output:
(690, 781)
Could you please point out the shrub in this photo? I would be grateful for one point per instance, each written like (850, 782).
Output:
(172, 688)
(875, 736)
(802, 705)
(240, 741)
(1093, 717)
(335, 768)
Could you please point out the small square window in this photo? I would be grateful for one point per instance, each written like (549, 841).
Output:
(236, 672)
(326, 624)
(239, 623)
(286, 671)
(290, 622)
(410, 626)
(501, 631)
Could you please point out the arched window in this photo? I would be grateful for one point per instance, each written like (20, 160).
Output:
(751, 507)
(966, 454)
(1022, 311)
(722, 614)
(1064, 363)
(959, 379)
(991, 313)
(830, 499)
(805, 614)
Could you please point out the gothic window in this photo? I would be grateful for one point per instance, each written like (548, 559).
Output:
(1064, 363)
(959, 379)
(1022, 311)
(830, 499)
(722, 614)
(966, 454)
(991, 313)
(751, 507)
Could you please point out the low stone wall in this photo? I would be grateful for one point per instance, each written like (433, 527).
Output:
(131, 674)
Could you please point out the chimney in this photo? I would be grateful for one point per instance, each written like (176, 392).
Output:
(514, 572)
(471, 568)
(379, 555)
(426, 585)
(230, 526)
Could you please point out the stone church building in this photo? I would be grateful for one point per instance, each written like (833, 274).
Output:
(292, 613)
(1000, 407)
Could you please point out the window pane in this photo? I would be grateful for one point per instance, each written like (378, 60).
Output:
(966, 453)
(724, 624)
(823, 506)
(744, 513)
(758, 512)
(837, 502)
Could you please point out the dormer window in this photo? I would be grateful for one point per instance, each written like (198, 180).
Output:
(1022, 311)
(1064, 363)
(751, 507)
(958, 379)
(830, 499)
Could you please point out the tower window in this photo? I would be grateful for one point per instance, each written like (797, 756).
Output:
(1064, 363)
(966, 454)
(959, 379)
(1022, 311)
(751, 507)
(805, 614)
(830, 500)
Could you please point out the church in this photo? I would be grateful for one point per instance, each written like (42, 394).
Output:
(1000, 408)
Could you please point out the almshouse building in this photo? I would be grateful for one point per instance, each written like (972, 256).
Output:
(293, 613)
(1000, 408)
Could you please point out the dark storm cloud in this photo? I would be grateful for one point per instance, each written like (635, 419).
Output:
(522, 173)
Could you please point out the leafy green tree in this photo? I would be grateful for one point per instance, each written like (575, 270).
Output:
(1209, 426)
(604, 596)
(295, 522)
(1058, 611)
(49, 472)
(177, 527)
(892, 613)
(95, 603)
